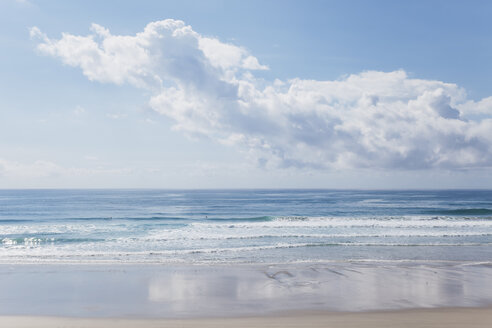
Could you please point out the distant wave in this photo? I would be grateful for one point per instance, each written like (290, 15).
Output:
(454, 215)
(145, 218)
(402, 234)
(462, 211)
(251, 219)
(353, 222)
(6, 221)
(109, 218)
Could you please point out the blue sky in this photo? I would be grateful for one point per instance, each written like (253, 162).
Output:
(323, 94)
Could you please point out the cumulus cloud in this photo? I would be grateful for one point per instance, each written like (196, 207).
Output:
(208, 87)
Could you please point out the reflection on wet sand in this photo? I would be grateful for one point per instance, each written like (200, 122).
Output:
(236, 290)
(337, 287)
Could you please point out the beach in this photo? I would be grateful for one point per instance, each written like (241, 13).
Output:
(280, 295)
(245, 258)
(448, 317)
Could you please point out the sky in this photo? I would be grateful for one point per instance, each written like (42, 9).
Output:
(246, 94)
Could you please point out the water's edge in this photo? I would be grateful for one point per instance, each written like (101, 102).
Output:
(186, 291)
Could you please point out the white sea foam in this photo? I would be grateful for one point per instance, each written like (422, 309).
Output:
(228, 240)
(330, 222)
(65, 255)
(204, 235)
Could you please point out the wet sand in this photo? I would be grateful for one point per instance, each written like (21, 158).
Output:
(359, 294)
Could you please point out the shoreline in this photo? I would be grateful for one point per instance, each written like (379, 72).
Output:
(230, 291)
(406, 318)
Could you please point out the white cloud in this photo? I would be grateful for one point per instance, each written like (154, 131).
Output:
(482, 107)
(371, 119)
(227, 56)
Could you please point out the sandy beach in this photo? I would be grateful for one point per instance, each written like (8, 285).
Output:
(278, 295)
(443, 317)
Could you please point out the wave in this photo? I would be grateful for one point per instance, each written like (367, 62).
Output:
(182, 236)
(122, 255)
(7, 221)
(403, 234)
(247, 219)
(462, 211)
(302, 245)
(468, 216)
(204, 217)
(351, 222)
(32, 241)
(260, 226)
(110, 218)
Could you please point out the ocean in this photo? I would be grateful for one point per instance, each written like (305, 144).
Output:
(244, 226)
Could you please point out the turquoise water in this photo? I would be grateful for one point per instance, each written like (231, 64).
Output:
(243, 226)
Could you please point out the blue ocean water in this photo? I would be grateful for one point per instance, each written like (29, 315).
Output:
(244, 226)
